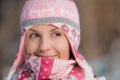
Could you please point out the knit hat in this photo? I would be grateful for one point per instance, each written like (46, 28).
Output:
(60, 13)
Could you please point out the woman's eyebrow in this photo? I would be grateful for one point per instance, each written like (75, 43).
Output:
(32, 30)
(54, 29)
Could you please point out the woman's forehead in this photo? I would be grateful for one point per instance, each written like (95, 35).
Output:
(44, 27)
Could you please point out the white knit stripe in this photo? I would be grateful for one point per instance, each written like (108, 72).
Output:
(60, 65)
(65, 73)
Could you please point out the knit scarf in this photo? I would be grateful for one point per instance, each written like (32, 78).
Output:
(41, 68)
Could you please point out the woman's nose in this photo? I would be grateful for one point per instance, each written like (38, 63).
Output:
(44, 45)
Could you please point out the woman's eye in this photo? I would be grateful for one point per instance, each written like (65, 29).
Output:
(57, 34)
(34, 35)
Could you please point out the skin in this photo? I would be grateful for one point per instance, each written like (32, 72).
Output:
(47, 41)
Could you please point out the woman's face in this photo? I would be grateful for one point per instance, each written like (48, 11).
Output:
(47, 41)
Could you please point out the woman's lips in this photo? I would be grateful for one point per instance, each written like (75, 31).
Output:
(47, 56)
(52, 57)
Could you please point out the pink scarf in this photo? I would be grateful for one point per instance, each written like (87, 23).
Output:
(40, 68)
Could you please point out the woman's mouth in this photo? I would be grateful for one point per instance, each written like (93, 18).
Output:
(50, 57)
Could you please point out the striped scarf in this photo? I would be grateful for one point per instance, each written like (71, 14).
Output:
(41, 68)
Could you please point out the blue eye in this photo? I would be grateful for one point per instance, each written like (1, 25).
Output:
(34, 35)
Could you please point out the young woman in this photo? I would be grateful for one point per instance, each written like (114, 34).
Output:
(49, 43)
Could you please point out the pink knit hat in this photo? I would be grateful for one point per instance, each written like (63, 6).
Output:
(60, 13)
(50, 11)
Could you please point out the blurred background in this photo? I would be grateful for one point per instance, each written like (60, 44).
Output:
(100, 35)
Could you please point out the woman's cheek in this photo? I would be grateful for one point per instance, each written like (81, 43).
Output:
(31, 47)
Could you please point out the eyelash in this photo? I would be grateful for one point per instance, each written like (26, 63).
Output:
(33, 35)
(57, 34)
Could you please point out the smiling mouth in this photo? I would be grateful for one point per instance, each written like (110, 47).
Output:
(53, 57)
(50, 57)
